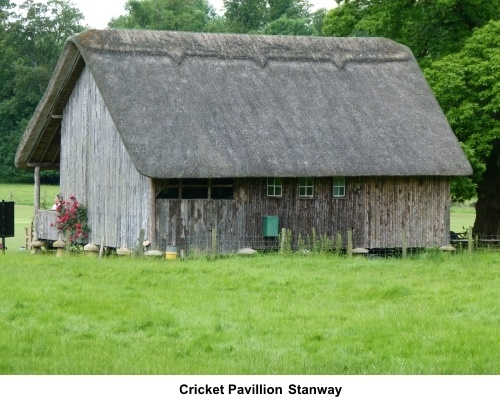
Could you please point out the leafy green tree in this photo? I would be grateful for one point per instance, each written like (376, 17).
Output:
(317, 19)
(456, 42)
(289, 26)
(173, 15)
(30, 43)
(467, 85)
(431, 28)
(289, 8)
(273, 17)
(245, 15)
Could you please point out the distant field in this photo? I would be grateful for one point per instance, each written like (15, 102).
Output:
(432, 313)
(461, 218)
(23, 194)
(23, 217)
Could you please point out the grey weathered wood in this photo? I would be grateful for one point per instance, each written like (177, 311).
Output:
(349, 243)
(44, 230)
(101, 248)
(378, 209)
(214, 241)
(140, 245)
(68, 241)
(37, 188)
(96, 168)
(404, 245)
(98, 171)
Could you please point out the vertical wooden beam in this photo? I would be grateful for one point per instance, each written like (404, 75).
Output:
(101, 248)
(36, 200)
(349, 243)
(152, 214)
(404, 244)
(37, 188)
(470, 243)
(140, 247)
(68, 241)
(214, 241)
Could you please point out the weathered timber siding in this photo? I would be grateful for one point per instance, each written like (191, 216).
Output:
(377, 209)
(97, 170)
(43, 221)
(417, 206)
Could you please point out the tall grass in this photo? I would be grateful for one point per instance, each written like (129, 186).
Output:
(270, 314)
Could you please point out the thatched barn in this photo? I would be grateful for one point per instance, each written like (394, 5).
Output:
(186, 134)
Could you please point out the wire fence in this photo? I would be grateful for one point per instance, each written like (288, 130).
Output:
(348, 244)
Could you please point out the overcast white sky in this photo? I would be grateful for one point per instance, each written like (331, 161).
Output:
(98, 12)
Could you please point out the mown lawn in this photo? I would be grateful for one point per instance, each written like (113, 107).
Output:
(461, 218)
(23, 195)
(270, 314)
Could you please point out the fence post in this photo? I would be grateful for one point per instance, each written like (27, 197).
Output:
(68, 241)
(470, 242)
(101, 248)
(214, 241)
(140, 247)
(349, 243)
(285, 240)
(404, 244)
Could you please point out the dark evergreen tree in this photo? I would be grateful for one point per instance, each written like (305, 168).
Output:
(30, 43)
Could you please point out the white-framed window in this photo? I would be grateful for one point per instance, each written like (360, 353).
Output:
(339, 186)
(274, 187)
(306, 187)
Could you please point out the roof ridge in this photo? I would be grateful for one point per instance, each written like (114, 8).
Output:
(260, 48)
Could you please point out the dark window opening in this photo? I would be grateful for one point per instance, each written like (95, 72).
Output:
(198, 189)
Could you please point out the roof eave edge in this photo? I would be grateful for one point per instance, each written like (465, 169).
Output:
(35, 128)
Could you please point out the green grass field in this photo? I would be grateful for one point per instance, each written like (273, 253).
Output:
(22, 195)
(461, 218)
(270, 314)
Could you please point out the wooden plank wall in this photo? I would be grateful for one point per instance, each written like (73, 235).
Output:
(377, 209)
(418, 206)
(43, 219)
(97, 170)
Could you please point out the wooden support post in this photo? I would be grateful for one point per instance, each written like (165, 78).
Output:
(101, 248)
(152, 214)
(140, 247)
(404, 244)
(68, 241)
(470, 242)
(37, 189)
(214, 241)
(29, 235)
(36, 201)
(349, 243)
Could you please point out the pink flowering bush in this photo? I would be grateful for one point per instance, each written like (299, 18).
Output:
(72, 217)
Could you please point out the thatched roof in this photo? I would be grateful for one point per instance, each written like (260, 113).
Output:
(220, 105)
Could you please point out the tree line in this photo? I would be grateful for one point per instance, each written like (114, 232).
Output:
(456, 43)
